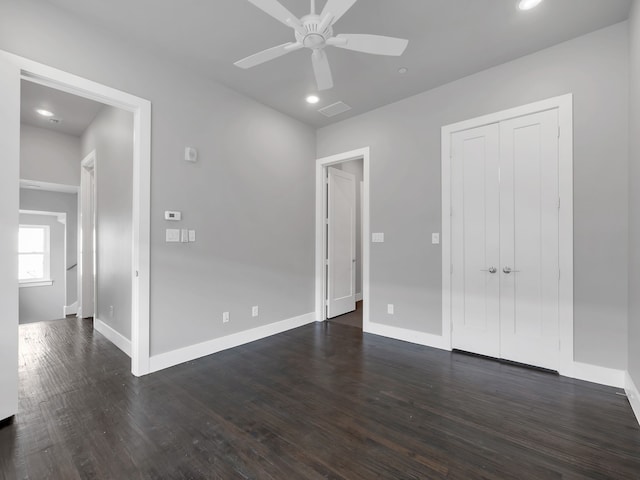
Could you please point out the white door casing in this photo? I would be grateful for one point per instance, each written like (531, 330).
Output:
(86, 271)
(475, 240)
(141, 109)
(529, 204)
(341, 243)
(9, 219)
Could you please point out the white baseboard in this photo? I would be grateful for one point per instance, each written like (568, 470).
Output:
(595, 374)
(114, 337)
(70, 309)
(358, 297)
(580, 371)
(411, 336)
(192, 352)
(633, 394)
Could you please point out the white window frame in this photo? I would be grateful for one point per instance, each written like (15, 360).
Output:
(46, 279)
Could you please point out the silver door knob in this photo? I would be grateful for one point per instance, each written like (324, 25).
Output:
(490, 270)
(508, 270)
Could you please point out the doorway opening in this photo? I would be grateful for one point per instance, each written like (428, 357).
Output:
(65, 265)
(342, 232)
(19, 73)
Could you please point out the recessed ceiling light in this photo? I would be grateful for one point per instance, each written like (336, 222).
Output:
(403, 70)
(44, 113)
(528, 4)
(313, 99)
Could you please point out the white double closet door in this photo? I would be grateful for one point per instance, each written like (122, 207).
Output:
(505, 253)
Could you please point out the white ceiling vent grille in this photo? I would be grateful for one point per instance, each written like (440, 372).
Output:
(334, 109)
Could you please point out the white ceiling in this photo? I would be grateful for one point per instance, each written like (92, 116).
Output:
(74, 113)
(449, 39)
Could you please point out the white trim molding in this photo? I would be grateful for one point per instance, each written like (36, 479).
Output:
(593, 373)
(141, 216)
(70, 309)
(363, 154)
(193, 352)
(359, 297)
(633, 395)
(564, 105)
(115, 337)
(411, 336)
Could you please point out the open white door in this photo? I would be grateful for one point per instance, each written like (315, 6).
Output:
(341, 243)
(9, 206)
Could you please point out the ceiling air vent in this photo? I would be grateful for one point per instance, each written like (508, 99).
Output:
(334, 109)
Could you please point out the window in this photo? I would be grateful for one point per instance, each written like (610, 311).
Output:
(33, 255)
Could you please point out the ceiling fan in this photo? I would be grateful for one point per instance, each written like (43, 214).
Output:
(315, 32)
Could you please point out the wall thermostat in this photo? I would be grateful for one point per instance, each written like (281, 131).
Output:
(190, 154)
(173, 216)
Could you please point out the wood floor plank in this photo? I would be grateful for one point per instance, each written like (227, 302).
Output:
(322, 401)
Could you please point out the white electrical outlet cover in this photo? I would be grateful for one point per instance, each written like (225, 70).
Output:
(190, 154)
(254, 311)
(435, 238)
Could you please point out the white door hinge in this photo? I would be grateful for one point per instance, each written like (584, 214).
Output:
(326, 262)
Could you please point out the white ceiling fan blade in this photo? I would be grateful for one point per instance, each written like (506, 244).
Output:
(268, 54)
(322, 70)
(374, 44)
(278, 11)
(337, 8)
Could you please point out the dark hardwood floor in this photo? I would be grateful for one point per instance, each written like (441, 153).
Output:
(321, 401)
(352, 319)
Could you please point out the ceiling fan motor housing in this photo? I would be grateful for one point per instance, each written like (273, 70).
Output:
(313, 38)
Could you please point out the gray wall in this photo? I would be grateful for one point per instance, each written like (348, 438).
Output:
(46, 302)
(111, 136)
(49, 156)
(41, 200)
(250, 197)
(356, 168)
(634, 198)
(405, 183)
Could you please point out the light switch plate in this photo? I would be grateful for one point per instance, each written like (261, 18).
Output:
(184, 235)
(172, 216)
(172, 235)
(377, 237)
(254, 311)
(435, 238)
(390, 308)
(192, 235)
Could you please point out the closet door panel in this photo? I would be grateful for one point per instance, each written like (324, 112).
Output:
(529, 258)
(475, 241)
